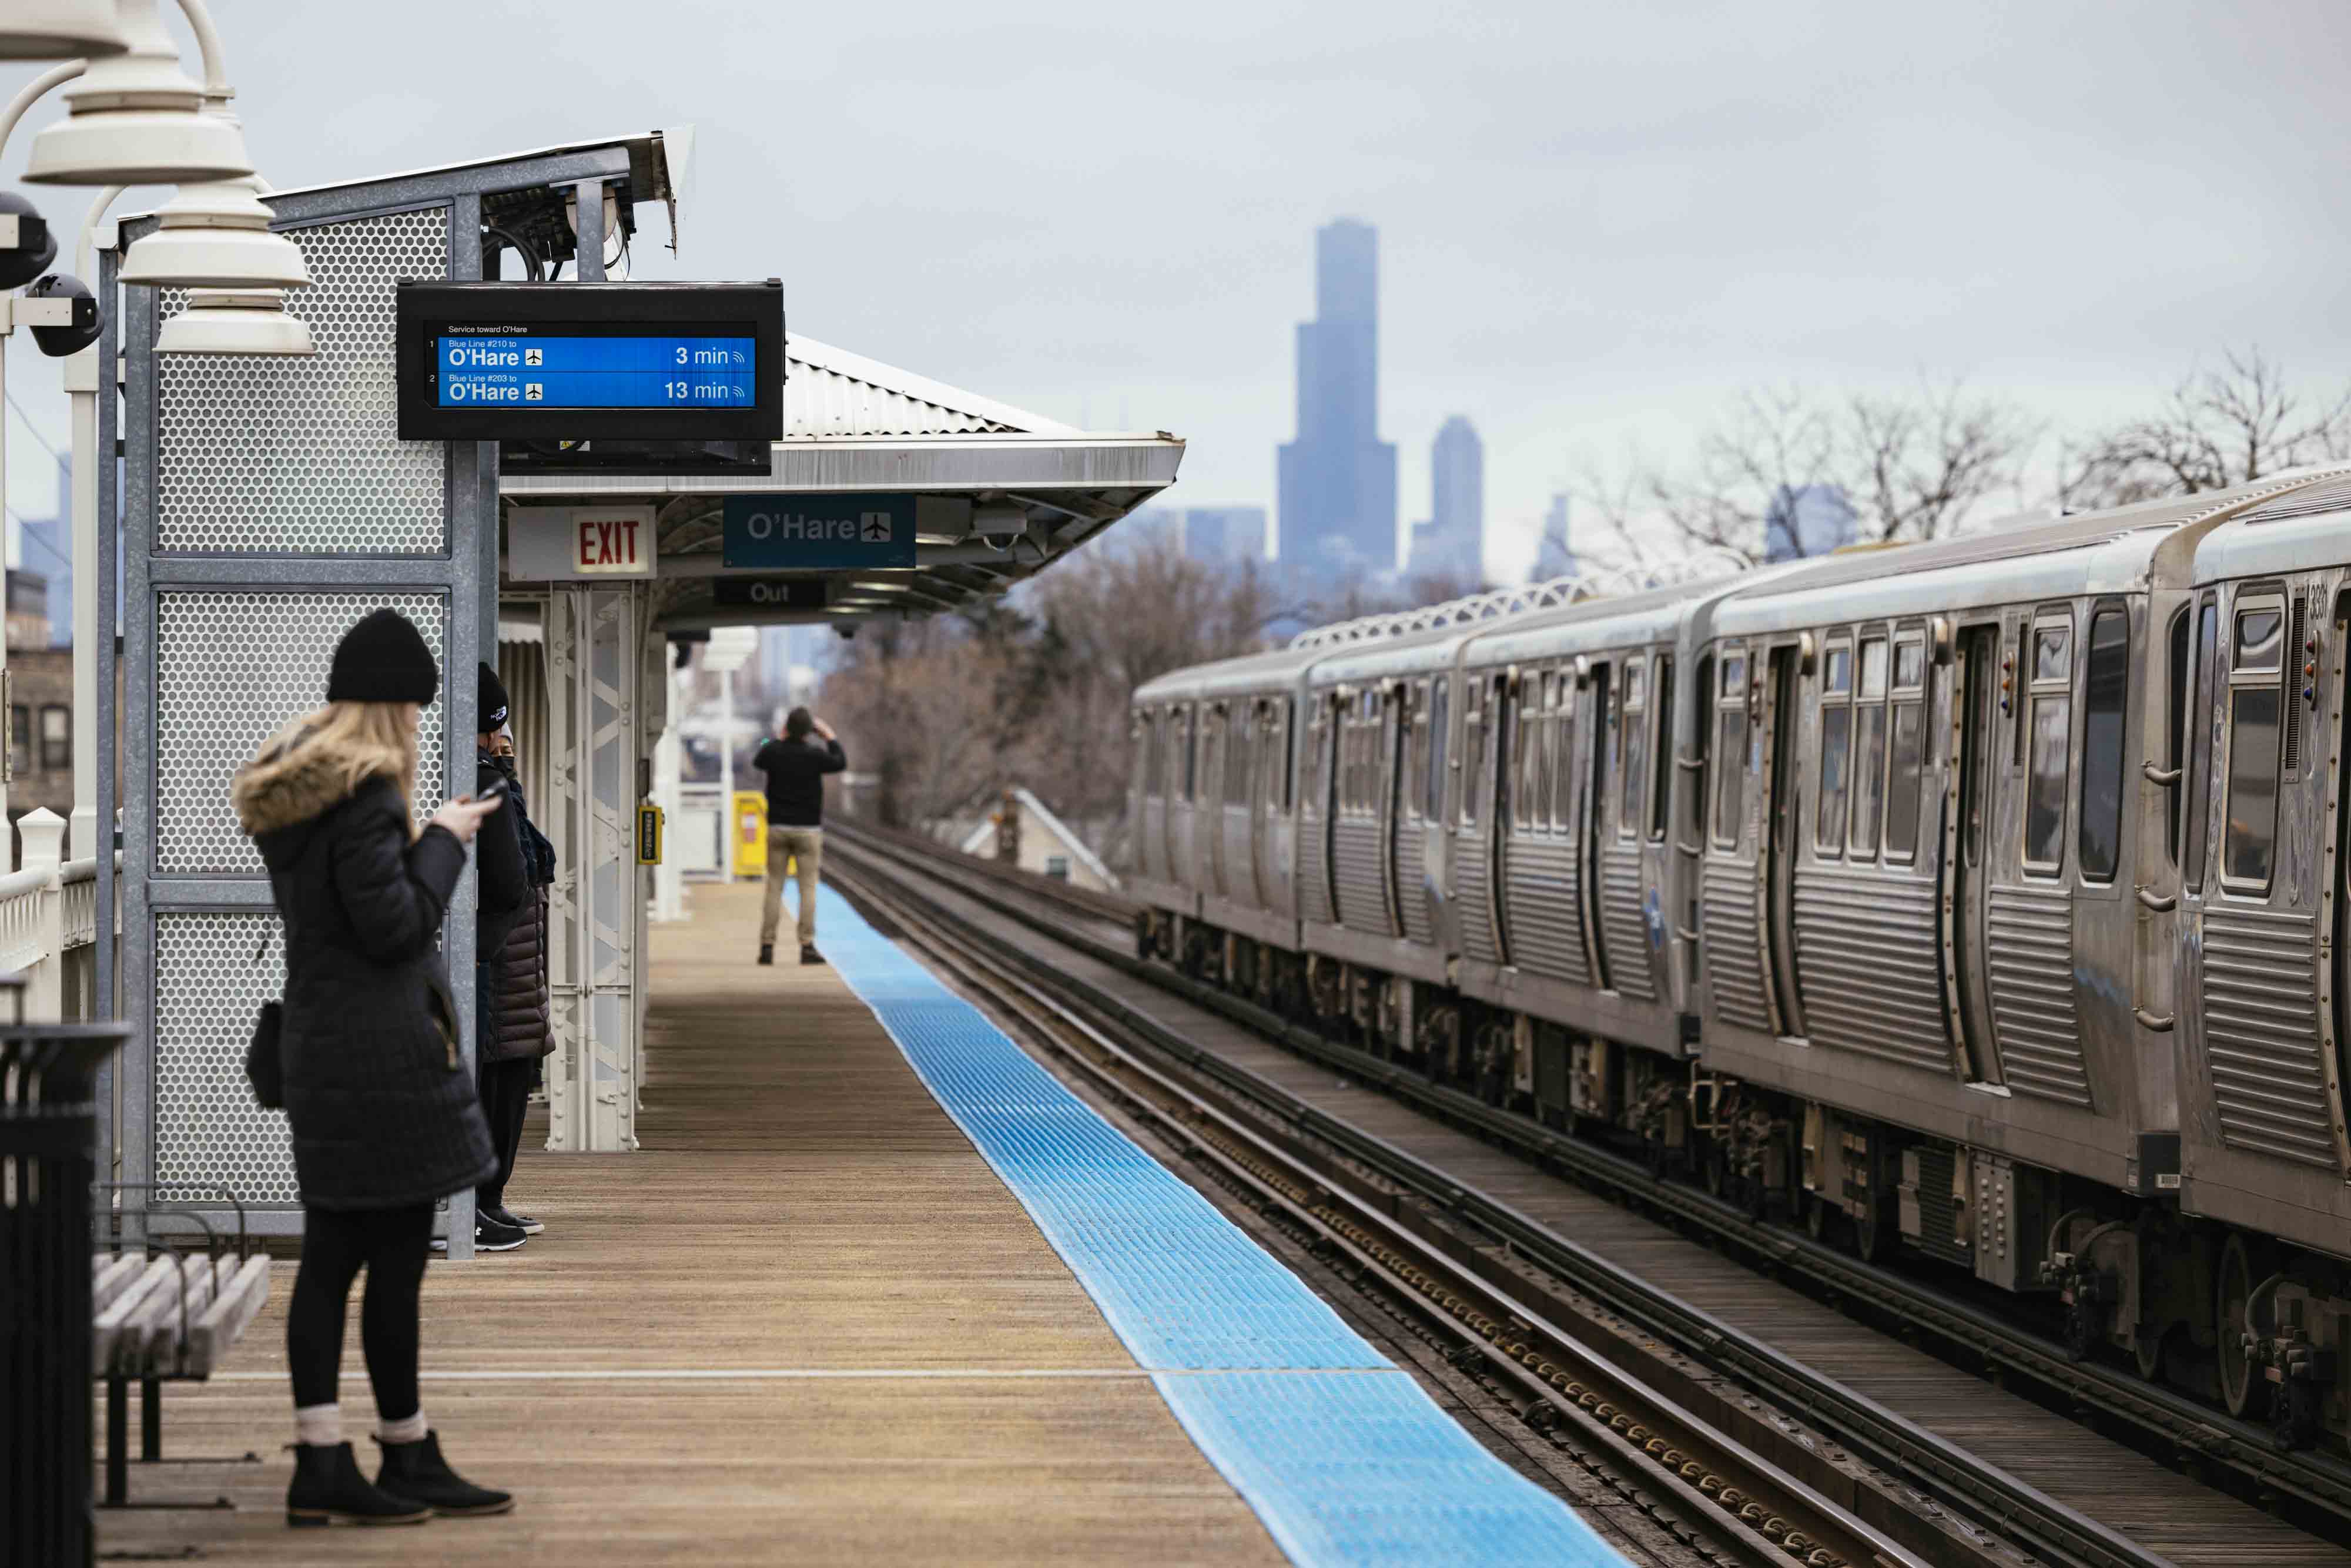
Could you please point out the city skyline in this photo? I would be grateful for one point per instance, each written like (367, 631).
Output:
(1335, 486)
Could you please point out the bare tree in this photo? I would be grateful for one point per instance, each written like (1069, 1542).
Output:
(2216, 428)
(1905, 467)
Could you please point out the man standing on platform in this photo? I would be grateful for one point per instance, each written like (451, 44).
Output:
(796, 767)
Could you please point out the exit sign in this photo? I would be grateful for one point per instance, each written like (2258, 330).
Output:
(565, 543)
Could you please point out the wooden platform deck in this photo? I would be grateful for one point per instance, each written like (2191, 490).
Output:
(805, 1323)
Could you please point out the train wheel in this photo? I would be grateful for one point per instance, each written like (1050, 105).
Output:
(2232, 1287)
(2147, 1349)
(1873, 1230)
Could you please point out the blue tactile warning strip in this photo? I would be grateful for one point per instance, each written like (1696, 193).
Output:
(1340, 1452)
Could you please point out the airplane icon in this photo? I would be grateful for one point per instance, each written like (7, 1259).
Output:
(876, 528)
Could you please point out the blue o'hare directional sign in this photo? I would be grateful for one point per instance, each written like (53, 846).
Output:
(772, 532)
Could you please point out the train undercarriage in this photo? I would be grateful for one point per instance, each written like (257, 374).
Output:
(2223, 1315)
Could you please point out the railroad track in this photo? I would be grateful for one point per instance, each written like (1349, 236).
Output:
(2311, 1488)
(1567, 1330)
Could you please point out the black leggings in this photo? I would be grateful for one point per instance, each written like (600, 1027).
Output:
(506, 1101)
(392, 1244)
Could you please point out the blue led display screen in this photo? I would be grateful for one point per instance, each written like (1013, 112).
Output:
(557, 365)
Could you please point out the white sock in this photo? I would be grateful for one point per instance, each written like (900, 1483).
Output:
(411, 1430)
(319, 1426)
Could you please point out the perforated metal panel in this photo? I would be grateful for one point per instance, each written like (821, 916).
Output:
(231, 667)
(273, 457)
(208, 1131)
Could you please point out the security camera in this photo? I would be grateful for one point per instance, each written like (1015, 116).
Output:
(62, 314)
(26, 246)
(1000, 526)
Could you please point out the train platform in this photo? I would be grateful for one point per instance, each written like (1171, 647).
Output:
(876, 1288)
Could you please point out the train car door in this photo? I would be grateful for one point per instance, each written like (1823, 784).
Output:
(1968, 848)
(1318, 811)
(1783, 724)
(1394, 728)
(1208, 809)
(1603, 739)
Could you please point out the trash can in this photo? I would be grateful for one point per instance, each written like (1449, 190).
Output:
(48, 1136)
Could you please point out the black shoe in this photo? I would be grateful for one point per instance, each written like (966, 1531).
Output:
(809, 955)
(419, 1471)
(522, 1222)
(329, 1489)
(494, 1235)
(767, 952)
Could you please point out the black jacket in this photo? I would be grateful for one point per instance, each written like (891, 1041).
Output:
(497, 852)
(796, 771)
(516, 1017)
(382, 1112)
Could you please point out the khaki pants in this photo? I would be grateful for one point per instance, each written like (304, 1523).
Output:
(805, 846)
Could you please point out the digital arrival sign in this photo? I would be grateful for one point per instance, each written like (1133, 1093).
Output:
(586, 364)
(574, 361)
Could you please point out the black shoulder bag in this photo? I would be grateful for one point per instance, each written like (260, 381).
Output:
(264, 1061)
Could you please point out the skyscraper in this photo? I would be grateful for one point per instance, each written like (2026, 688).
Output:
(1553, 557)
(1338, 478)
(1453, 540)
(1220, 534)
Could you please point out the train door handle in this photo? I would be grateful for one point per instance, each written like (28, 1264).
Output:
(2166, 777)
(2159, 1023)
(1693, 850)
(2161, 902)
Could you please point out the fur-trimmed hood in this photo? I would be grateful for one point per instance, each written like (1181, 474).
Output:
(299, 779)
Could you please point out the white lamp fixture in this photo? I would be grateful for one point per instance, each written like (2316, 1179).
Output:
(216, 236)
(60, 30)
(235, 321)
(138, 119)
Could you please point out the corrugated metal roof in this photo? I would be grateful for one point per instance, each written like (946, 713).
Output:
(830, 391)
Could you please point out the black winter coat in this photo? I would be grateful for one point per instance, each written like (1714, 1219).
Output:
(505, 880)
(523, 1024)
(383, 1111)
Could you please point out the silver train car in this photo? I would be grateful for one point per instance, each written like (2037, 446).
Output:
(1977, 901)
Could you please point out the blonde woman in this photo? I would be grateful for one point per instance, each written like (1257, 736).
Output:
(384, 1116)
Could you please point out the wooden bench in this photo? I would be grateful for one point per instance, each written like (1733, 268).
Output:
(161, 1314)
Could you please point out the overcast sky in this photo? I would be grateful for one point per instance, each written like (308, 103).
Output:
(1596, 223)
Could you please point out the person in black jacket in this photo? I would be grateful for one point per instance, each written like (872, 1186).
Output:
(519, 1033)
(795, 768)
(504, 890)
(384, 1118)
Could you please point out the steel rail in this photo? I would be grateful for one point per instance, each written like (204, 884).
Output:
(1744, 1506)
(1998, 1500)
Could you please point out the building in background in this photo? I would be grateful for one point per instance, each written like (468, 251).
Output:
(1215, 535)
(1808, 520)
(45, 545)
(1223, 533)
(1453, 541)
(1337, 502)
(1553, 556)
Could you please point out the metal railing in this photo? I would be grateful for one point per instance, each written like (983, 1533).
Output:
(48, 924)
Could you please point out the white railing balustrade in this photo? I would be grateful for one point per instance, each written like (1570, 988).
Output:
(49, 922)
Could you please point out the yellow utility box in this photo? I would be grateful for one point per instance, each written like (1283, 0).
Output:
(750, 833)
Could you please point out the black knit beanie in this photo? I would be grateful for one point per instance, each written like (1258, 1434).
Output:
(489, 702)
(383, 659)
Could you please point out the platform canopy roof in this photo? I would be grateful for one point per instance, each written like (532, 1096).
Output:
(857, 426)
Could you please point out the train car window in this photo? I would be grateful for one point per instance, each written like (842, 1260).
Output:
(2011, 682)
(2175, 732)
(1632, 725)
(2052, 731)
(2201, 703)
(1730, 755)
(1437, 739)
(1702, 743)
(1473, 750)
(1607, 737)
(2256, 705)
(1661, 786)
(1288, 752)
(1563, 773)
(1527, 792)
(1906, 750)
(1868, 751)
(2106, 686)
(1543, 803)
(1414, 719)
(1836, 747)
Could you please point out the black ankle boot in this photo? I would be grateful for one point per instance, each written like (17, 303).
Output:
(329, 1490)
(417, 1470)
(767, 952)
